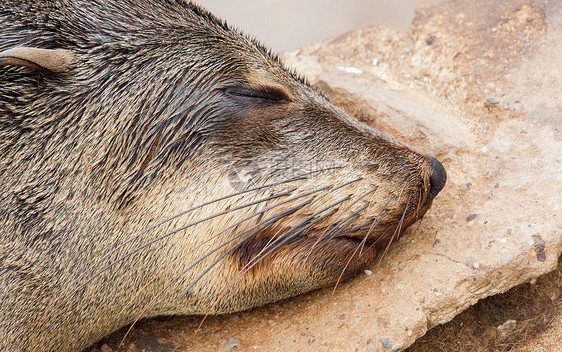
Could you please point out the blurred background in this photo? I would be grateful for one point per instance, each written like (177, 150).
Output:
(289, 24)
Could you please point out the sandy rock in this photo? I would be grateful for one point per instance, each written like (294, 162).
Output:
(477, 85)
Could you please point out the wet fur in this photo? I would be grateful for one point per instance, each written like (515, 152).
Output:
(165, 108)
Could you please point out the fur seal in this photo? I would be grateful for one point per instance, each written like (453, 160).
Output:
(156, 161)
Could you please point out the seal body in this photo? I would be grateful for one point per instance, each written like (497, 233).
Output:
(155, 161)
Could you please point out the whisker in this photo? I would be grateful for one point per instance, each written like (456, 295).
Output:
(254, 261)
(324, 195)
(276, 218)
(339, 231)
(272, 247)
(282, 240)
(398, 228)
(367, 224)
(107, 267)
(381, 236)
(364, 240)
(218, 234)
(324, 209)
(359, 199)
(375, 224)
(343, 212)
(221, 232)
(349, 261)
(418, 207)
(99, 260)
(284, 237)
(265, 223)
(334, 228)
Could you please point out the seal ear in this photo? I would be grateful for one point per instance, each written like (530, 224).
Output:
(45, 60)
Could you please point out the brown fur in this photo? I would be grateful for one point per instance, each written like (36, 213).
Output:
(161, 109)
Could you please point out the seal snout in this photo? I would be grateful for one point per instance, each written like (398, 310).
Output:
(437, 179)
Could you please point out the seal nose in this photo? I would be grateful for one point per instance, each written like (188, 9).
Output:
(437, 179)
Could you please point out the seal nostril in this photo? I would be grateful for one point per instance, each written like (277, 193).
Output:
(437, 179)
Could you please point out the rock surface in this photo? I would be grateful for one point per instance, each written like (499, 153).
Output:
(475, 84)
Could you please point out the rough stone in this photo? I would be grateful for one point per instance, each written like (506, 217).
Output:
(477, 85)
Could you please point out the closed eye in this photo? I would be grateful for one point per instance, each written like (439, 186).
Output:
(265, 93)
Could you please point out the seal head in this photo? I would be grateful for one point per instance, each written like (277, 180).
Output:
(155, 161)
